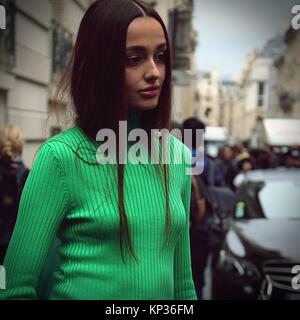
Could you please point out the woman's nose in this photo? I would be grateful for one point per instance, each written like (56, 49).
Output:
(152, 72)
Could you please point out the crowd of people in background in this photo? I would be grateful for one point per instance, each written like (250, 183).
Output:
(214, 193)
(234, 159)
(240, 158)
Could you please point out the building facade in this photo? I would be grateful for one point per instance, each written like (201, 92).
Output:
(218, 102)
(35, 49)
(177, 15)
(208, 97)
(28, 62)
(229, 103)
(287, 91)
(258, 83)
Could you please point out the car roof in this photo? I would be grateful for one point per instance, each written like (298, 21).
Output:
(273, 174)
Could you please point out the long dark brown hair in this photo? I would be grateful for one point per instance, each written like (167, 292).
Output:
(95, 78)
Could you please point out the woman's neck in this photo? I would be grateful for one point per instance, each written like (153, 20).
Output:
(134, 120)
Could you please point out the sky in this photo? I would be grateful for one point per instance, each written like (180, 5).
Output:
(228, 30)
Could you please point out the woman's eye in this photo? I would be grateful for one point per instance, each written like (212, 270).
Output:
(134, 60)
(162, 56)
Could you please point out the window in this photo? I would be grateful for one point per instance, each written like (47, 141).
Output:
(7, 36)
(179, 32)
(2, 17)
(62, 47)
(197, 97)
(207, 112)
(260, 98)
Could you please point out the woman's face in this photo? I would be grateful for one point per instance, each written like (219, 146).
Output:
(146, 53)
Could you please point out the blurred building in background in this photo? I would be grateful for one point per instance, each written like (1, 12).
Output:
(208, 107)
(177, 16)
(218, 103)
(269, 87)
(34, 52)
(67, 15)
(229, 94)
(287, 91)
(258, 84)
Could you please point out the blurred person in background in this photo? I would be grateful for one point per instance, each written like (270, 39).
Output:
(244, 164)
(273, 159)
(243, 159)
(194, 124)
(13, 175)
(292, 158)
(199, 241)
(223, 167)
(254, 154)
(209, 206)
(262, 160)
(199, 237)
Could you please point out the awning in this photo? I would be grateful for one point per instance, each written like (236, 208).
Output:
(282, 132)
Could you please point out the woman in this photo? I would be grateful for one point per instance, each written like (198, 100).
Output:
(13, 174)
(124, 229)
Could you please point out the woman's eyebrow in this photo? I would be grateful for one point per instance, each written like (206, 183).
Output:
(141, 48)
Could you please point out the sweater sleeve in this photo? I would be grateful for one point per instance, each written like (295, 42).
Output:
(183, 279)
(41, 211)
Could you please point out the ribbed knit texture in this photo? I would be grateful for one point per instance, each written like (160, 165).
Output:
(77, 201)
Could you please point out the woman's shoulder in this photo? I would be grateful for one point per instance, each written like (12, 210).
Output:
(69, 135)
(67, 143)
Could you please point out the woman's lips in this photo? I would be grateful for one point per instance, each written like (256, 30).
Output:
(149, 94)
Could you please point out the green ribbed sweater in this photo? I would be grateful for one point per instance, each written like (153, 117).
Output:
(77, 202)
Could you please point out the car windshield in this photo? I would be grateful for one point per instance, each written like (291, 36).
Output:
(280, 199)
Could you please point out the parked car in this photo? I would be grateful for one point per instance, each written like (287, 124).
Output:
(260, 258)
